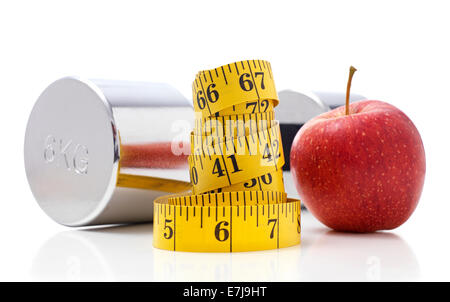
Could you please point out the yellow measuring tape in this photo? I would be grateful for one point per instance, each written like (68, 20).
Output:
(237, 201)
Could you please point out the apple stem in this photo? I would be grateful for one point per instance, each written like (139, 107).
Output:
(349, 84)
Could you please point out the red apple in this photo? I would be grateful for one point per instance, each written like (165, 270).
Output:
(360, 172)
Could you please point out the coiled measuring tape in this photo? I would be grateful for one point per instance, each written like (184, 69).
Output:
(237, 201)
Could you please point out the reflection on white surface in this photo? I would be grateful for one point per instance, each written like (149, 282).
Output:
(125, 253)
(121, 253)
(335, 256)
(272, 265)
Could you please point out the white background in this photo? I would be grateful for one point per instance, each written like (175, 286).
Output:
(401, 50)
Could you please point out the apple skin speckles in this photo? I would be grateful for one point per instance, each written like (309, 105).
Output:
(372, 167)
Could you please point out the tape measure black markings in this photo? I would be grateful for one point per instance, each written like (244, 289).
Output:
(234, 125)
(237, 202)
(260, 155)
